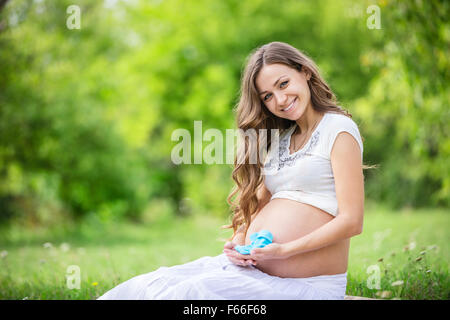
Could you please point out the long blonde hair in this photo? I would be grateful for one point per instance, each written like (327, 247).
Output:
(251, 113)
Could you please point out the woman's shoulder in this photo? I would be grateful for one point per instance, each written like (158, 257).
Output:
(337, 123)
(339, 120)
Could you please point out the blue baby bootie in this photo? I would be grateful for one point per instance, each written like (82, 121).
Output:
(263, 238)
(258, 240)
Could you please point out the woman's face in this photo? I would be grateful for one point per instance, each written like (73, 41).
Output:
(284, 90)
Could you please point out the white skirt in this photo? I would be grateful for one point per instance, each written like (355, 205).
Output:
(216, 278)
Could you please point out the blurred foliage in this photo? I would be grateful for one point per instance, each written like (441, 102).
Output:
(406, 113)
(86, 116)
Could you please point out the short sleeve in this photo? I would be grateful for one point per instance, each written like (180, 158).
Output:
(343, 124)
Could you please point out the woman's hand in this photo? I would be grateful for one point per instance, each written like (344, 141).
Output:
(269, 252)
(236, 257)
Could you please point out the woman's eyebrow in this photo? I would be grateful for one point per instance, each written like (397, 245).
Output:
(273, 84)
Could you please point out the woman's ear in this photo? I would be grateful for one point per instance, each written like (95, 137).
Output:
(307, 74)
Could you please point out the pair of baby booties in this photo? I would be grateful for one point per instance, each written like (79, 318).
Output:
(258, 240)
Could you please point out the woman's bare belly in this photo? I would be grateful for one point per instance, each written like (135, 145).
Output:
(288, 220)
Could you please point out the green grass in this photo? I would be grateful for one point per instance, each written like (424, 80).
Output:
(410, 246)
(108, 254)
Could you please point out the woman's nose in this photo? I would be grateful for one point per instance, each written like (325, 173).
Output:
(280, 99)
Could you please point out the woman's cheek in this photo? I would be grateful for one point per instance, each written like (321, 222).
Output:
(271, 108)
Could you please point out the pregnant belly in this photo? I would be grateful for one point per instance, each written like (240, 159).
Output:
(288, 220)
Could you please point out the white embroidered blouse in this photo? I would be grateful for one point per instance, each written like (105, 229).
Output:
(306, 175)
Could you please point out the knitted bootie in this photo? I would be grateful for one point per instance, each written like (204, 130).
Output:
(258, 240)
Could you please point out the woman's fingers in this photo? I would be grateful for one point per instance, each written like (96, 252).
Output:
(229, 245)
(236, 261)
(236, 254)
(240, 262)
(251, 262)
(239, 259)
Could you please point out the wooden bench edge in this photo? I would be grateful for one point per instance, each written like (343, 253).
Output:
(358, 298)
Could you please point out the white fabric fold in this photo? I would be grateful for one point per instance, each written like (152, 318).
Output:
(216, 278)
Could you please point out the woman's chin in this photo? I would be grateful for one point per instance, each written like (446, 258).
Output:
(294, 115)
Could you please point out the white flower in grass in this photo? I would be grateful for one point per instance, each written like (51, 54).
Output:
(412, 245)
(64, 247)
(3, 254)
(397, 283)
(384, 294)
(48, 245)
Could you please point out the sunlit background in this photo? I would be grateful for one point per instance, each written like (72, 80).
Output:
(87, 114)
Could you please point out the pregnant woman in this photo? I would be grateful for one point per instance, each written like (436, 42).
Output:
(308, 192)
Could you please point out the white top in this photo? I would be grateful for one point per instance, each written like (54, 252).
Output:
(306, 175)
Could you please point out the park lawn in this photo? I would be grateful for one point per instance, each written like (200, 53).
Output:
(409, 246)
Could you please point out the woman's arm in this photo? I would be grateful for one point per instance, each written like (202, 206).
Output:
(346, 163)
(349, 183)
(239, 237)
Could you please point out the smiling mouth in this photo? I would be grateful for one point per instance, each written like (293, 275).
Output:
(290, 106)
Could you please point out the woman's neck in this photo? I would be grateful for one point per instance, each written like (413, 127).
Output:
(309, 119)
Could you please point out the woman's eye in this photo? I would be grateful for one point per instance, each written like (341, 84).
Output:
(281, 84)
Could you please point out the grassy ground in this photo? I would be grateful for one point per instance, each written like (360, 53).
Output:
(408, 248)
